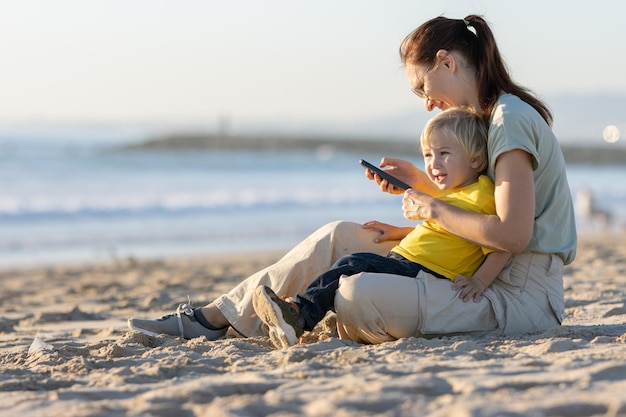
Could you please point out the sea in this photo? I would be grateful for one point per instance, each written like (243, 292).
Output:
(86, 198)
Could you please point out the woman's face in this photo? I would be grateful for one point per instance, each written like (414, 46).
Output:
(449, 83)
(425, 83)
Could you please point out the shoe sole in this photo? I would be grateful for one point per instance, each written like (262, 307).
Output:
(281, 334)
(140, 330)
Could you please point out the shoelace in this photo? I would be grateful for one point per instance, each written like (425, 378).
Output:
(187, 310)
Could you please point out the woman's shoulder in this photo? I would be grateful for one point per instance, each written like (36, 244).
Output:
(514, 120)
(515, 124)
(509, 106)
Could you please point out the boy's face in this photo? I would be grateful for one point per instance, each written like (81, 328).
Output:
(446, 163)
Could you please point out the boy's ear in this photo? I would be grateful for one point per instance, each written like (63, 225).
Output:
(476, 161)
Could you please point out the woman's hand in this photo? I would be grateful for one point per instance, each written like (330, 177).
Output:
(387, 231)
(399, 168)
(417, 205)
(472, 288)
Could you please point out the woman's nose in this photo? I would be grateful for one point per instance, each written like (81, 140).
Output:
(431, 105)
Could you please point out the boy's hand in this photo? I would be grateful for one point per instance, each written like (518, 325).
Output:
(471, 288)
(387, 231)
(399, 168)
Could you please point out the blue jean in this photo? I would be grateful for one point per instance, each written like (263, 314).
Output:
(319, 297)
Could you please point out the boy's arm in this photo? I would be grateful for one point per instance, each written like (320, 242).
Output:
(474, 286)
(387, 231)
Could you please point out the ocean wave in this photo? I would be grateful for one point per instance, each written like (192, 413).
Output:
(130, 205)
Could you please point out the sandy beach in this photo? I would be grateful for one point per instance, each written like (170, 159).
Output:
(65, 350)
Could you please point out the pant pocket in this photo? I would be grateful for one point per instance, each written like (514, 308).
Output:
(557, 304)
(514, 276)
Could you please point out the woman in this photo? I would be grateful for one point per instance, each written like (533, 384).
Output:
(455, 62)
(449, 62)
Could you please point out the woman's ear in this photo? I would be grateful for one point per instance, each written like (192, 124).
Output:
(445, 58)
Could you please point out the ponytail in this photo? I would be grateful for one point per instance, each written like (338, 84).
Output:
(472, 38)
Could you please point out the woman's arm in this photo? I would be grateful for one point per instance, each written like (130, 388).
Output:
(509, 230)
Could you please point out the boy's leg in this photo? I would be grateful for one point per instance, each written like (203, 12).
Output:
(287, 320)
(319, 297)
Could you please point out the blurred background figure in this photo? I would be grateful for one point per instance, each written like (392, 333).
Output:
(590, 213)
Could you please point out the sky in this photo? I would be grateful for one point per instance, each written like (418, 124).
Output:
(276, 62)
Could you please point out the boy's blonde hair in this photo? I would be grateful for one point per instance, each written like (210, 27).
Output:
(467, 126)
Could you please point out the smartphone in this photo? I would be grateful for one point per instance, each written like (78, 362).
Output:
(383, 174)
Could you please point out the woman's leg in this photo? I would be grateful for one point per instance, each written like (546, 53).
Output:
(375, 308)
(527, 296)
(294, 272)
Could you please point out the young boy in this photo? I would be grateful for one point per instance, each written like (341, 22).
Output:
(454, 147)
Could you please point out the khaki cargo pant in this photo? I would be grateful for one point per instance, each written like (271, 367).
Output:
(374, 308)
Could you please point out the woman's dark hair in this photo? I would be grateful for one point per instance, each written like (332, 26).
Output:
(472, 38)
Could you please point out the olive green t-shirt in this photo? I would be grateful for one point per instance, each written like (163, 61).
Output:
(514, 124)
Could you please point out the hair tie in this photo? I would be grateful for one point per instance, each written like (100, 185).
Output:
(470, 27)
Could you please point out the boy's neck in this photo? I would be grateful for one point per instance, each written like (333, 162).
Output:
(469, 182)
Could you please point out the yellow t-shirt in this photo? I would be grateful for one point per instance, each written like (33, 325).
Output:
(441, 251)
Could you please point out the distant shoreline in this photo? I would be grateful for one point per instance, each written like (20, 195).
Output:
(575, 154)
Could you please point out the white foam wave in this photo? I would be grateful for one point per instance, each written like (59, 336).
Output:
(171, 202)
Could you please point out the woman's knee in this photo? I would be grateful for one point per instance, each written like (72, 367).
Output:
(349, 237)
(355, 314)
(354, 292)
(376, 308)
(341, 226)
